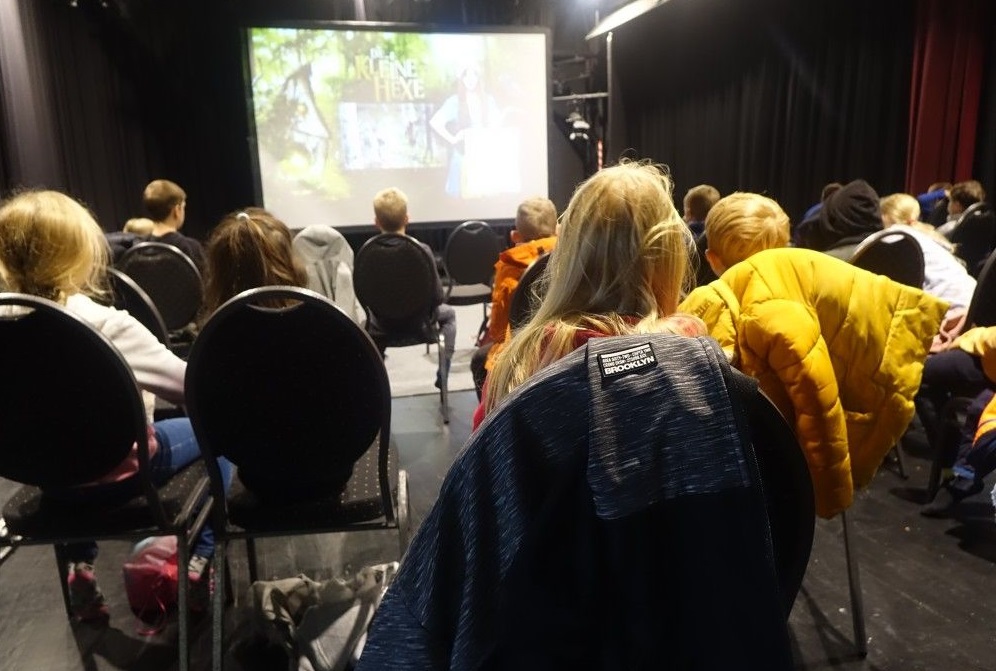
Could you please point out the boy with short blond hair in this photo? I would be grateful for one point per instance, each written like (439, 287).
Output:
(743, 224)
(533, 236)
(390, 207)
(166, 204)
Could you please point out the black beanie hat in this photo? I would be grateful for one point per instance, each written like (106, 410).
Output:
(853, 211)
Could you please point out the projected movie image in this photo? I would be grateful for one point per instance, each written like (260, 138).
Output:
(457, 121)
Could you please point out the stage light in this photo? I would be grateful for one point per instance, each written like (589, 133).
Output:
(624, 14)
(578, 126)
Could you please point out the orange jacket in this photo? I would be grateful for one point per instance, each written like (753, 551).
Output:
(508, 270)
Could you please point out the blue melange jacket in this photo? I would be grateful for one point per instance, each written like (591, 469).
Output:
(607, 516)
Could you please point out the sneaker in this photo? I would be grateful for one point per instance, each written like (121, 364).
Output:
(86, 601)
(200, 583)
(948, 497)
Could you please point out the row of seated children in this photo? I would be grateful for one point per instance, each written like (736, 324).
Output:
(838, 349)
(51, 247)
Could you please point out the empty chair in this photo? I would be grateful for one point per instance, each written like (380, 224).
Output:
(527, 297)
(974, 236)
(294, 393)
(169, 277)
(893, 253)
(396, 282)
(71, 412)
(471, 252)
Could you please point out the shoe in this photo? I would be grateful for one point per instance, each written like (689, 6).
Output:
(948, 498)
(86, 601)
(200, 583)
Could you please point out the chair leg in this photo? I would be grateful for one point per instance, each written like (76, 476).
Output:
(183, 600)
(403, 518)
(221, 577)
(854, 585)
(444, 374)
(900, 460)
(251, 556)
(63, 566)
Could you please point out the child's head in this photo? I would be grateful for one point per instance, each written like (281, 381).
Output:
(622, 259)
(139, 226)
(161, 198)
(536, 218)
(743, 224)
(899, 208)
(391, 210)
(698, 201)
(622, 248)
(248, 249)
(50, 246)
(963, 195)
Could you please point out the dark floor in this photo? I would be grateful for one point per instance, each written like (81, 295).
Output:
(929, 585)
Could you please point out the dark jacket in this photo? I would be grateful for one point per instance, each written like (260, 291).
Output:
(595, 522)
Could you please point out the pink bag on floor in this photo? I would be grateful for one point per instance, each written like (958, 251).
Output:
(151, 577)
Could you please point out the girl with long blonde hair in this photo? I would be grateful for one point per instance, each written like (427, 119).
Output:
(622, 263)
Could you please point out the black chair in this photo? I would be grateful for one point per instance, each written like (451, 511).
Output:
(471, 252)
(395, 282)
(788, 490)
(287, 387)
(893, 253)
(982, 308)
(131, 298)
(974, 236)
(897, 255)
(71, 412)
(528, 293)
(169, 277)
(703, 271)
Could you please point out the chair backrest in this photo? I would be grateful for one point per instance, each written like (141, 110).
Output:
(974, 236)
(788, 492)
(893, 253)
(131, 298)
(471, 252)
(526, 297)
(982, 308)
(69, 406)
(169, 277)
(293, 394)
(395, 280)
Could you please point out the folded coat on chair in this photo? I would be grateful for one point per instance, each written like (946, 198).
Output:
(598, 519)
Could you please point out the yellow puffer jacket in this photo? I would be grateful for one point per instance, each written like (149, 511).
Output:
(838, 349)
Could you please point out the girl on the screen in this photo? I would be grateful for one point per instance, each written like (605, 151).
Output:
(470, 108)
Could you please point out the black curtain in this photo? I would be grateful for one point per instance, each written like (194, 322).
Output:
(985, 147)
(772, 96)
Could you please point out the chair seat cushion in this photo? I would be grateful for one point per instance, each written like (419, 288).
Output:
(359, 502)
(469, 294)
(30, 513)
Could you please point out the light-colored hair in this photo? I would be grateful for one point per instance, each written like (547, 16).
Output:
(899, 208)
(248, 249)
(903, 209)
(51, 246)
(160, 197)
(536, 218)
(699, 200)
(743, 224)
(391, 209)
(139, 226)
(623, 255)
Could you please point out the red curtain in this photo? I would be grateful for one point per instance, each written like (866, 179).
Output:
(949, 54)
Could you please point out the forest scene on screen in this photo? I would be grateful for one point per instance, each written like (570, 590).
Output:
(332, 106)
